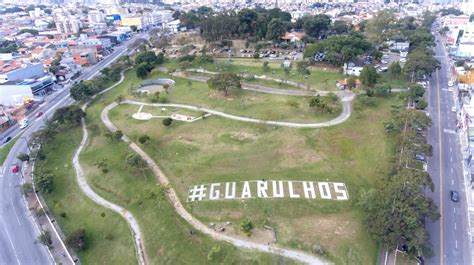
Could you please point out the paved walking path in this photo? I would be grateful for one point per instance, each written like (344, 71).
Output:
(346, 98)
(87, 190)
(173, 197)
(345, 114)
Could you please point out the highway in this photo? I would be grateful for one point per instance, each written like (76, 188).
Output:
(449, 235)
(18, 232)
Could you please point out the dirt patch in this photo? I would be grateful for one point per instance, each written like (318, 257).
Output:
(220, 95)
(293, 154)
(330, 230)
(184, 139)
(242, 136)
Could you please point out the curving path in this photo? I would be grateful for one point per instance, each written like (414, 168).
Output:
(345, 114)
(346, 98)
(173, 197)
(87, 190)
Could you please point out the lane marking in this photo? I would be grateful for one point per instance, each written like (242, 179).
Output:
(454, 210)
(455, 227)
(452, 170)
(14, 210)
(451, 159)
(452, 182)
(440, 149)
(456, 241)
(11, 243)
(450, 150)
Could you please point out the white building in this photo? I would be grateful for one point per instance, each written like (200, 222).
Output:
(69, 25)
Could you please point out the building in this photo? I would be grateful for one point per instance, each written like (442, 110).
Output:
(69, 25)
(137, 21)
(25, 72)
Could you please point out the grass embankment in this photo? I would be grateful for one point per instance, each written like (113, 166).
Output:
(6, 149)
(109, 240)
(320, 78)
(168, 239)
(219, 150)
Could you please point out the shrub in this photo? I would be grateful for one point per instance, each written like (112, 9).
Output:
(45, 238)
(246, 226)
(421, 105)
(77, 239)
(167, 122)
(143, 138)
(367, 101)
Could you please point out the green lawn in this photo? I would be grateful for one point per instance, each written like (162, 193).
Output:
(109, 239)
(319, 79)
(238, 102)
(356, 153)
(6, 149)
(167, 237)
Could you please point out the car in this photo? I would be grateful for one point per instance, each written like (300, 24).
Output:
(24, 123)
(450, 83)
(8, 139)
(454, 196)
(15, 168)
(39, 114)
(420, 157)
(453, 109)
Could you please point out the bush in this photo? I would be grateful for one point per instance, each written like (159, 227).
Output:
(367, 101)
(186, 58)
(23, 157)
(143, 139)
(26, 188)
(63, 214)
(246, 226)
(45, 238)
(421, 105)
(77, 240)
(167, 122)
(44, 183)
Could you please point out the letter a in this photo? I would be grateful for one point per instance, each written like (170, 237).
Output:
(246, 190)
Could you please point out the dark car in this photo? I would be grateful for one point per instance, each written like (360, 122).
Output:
(8, 139)
(454, 196)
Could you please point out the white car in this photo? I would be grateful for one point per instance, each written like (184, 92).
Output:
(450, 83)
(453, 109)
(24, 123)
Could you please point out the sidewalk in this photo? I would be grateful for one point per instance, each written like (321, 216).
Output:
(42, 220)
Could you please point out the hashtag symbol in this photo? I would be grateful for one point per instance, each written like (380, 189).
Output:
(197, 192)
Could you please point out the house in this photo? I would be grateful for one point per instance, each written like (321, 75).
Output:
(293, 36)
(342, 84)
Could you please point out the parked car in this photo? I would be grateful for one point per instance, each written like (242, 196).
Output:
(15, 168)
(39, 114)
(453, 109)
(420, 157)
(450, 83)
(454, 196)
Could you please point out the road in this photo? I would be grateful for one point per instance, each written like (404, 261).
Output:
(17, 230)
(449, 235)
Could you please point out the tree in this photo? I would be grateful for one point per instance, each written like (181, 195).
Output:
(45, 238)
(142, 71)
(351, 82)
(7, 46)
(314, 26)
(246, 226)
(133, 28)
(395, 70)
(303, 68)
(44, 182)
(224, 82)
(77, 240)
(382, 90)
(72, 114)
(150, 59)
(23, 157)
(81, 91)
(167, 122)
(381, 27)
(420, 61)
(421, 105)
(368, 76)
(265, 67)
(275, 29)
(135, 161)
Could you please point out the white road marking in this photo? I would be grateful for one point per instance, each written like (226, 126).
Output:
(455, 227)
(452, 182)
(11, 243)
(454, 210)
(14, 210)
(456, 243)
(451, 159)
(450, 150)
(452, 170)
